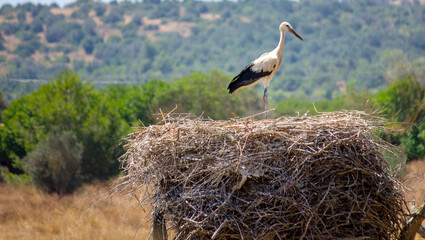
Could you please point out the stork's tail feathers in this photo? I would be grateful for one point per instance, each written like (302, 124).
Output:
(247, 77)
(233, 86)
(238, 81)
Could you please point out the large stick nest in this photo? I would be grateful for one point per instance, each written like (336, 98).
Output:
(320, 177)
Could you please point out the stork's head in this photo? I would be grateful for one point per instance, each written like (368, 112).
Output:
(285, 26)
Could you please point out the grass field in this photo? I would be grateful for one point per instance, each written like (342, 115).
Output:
(27, 213)
(415, 181)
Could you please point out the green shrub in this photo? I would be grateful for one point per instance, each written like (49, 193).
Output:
(100, 9)
(403, 100)
(3, 102)
(12, 178)
(10, 28)
(116, 15)
(54, 165)
(21, 17)
(403, 103)
(26, 49)
(56, 32)
(36, 26)
(2, 47)
(88, 45)
(75, 36)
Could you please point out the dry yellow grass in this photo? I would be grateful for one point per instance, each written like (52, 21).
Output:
(96, 19)
(183, 28)
(65, 11)
(106, 33)
(415, 180)
(81, 55)
(27, 213)
(11, 42)
(28, 17)
(209, 16)
(398, 2)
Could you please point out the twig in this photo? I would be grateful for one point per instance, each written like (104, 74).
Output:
(231, 113)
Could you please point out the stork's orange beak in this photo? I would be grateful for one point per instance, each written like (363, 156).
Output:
(296, 34)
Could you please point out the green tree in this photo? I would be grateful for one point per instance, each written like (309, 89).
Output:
(350, 101)
(67, 104)
(413, 142)
(196, 93)
(26, 49)
(2, 47)
(100, 9)
(135, 103)
(114, 16)
(36, 26)
(206, 94)
(10, 150)
(88, 45)
(3, 103)
(4, 160)
(56, 31)
(403, 102)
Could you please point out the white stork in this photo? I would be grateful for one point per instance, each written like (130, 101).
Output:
(263, 68)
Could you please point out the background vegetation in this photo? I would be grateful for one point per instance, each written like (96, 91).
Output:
(67, 132)
(117, 65)
(352, 43)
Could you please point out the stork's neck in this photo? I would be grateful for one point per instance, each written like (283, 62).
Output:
(279, 48)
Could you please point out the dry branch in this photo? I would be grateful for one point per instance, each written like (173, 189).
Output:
(320, 177)
(413, 225)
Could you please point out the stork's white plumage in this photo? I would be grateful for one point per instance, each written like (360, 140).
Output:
(263, 68)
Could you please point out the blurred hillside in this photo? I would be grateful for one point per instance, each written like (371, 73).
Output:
(348, 44)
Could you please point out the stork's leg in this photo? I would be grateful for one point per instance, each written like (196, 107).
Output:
(265, 101)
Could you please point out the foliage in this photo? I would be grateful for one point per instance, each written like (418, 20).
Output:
(345, 41)
(413, 142)
(4, 160)
(10, 28)
(42, 129)
(195, 93)
(10, 151)
(403, 100)
(403, 103)
(12, 178)
(115, 15)
(54, 165)
(135, 103)
(26, 49)
(66, 104)
(36, 26)
(73, 32)
(88, 45)
(3, 103)
(350, 101)
(2, 47)
(100, 9)
(205, 94)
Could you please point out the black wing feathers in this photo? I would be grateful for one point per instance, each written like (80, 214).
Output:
(245, 78)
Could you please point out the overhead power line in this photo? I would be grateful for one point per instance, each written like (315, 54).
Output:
(37, 80)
